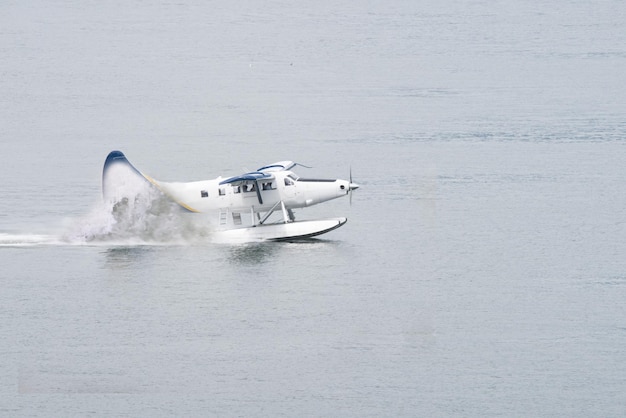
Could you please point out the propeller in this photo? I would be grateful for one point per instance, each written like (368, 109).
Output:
(353, 186)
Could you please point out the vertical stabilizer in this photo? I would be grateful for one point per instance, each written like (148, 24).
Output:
(120, 178)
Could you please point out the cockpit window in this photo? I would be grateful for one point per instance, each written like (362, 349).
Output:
(288, 181)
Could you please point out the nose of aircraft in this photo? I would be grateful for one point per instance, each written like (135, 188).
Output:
(353, 186)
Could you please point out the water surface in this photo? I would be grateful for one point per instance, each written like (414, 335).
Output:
(481, 271)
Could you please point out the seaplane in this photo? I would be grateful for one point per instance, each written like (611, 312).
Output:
(253, 206)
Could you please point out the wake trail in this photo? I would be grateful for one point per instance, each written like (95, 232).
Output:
(28, 240)
(138, 216)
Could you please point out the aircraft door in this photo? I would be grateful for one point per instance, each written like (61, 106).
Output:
(289, 187)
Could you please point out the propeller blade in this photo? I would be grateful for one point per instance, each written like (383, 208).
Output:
(352, 186)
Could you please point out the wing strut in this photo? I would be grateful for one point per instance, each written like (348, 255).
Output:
(268, 214)
(258, 191)
(287, 215)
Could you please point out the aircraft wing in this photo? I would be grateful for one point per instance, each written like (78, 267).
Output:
(279, 166)
(263, 173)
(246, 178)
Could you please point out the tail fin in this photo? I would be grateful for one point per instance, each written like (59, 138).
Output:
(120, 179)
(117, 157)
(118, 173)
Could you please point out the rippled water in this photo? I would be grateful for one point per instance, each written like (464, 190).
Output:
(480, 273)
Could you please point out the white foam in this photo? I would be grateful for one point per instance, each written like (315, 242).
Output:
(137, 215)
(27, 240)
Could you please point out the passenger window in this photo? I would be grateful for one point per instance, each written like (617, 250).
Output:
(204, 193)
(222, 191)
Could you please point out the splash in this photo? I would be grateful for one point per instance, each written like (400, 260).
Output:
(138, 215)
(132, 212)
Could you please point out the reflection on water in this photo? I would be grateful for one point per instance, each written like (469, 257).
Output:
(302, 241)
(252, 253)
(263, 252)
(119, 258)
(130, 256)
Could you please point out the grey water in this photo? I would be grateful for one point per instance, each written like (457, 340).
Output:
(482, 271)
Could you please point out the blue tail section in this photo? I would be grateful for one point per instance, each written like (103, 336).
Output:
(123, 170)
(116, 157)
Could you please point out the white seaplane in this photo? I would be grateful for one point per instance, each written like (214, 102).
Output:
(241, 207)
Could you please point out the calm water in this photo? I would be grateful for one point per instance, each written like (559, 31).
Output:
(482, 269)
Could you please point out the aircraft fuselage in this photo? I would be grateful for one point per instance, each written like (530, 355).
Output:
(294, 192)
